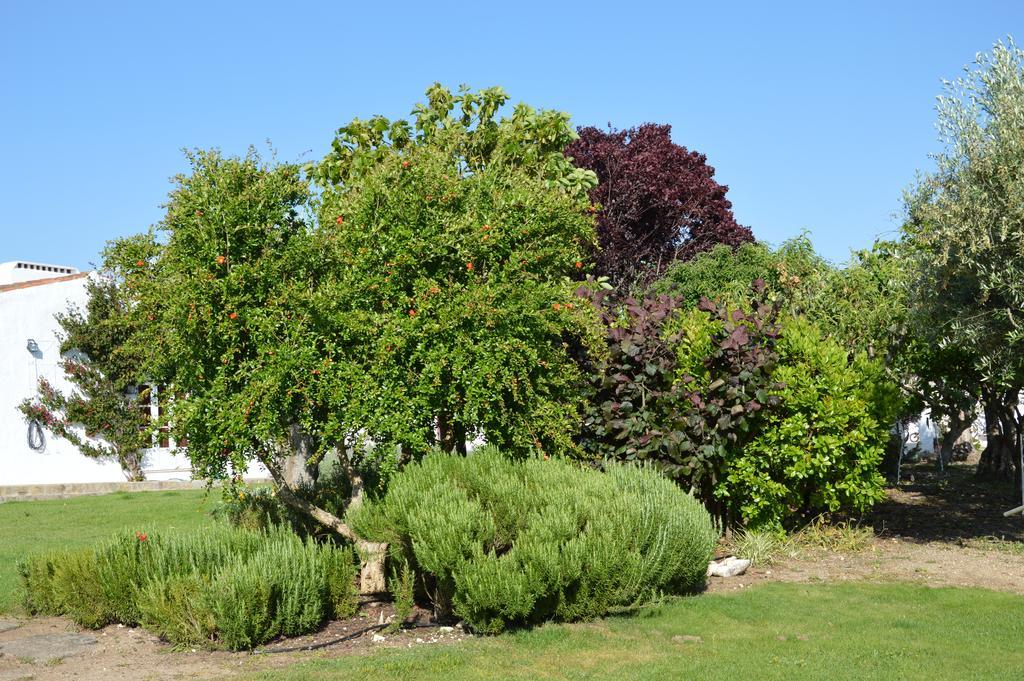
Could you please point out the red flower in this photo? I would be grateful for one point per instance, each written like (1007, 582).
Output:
(412, 313)
(579, 265)
(139, 263)
(233, 315)
(469, 266)
(339, 219)
(405, 164)
(141, 536)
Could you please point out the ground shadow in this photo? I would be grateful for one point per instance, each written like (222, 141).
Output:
(947, 506)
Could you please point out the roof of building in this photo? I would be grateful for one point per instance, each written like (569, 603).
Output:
(41, 282)
(24, 270)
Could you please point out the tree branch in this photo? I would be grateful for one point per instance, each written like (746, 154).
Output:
(325, 518)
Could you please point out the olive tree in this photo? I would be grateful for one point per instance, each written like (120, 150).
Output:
(966, 230)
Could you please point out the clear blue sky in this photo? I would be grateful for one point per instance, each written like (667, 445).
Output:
(815, 115)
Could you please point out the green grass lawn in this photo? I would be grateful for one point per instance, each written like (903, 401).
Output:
(776, 631)
(36, 526)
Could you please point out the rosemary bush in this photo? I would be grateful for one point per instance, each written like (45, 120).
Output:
(503, 542)
(221, 586)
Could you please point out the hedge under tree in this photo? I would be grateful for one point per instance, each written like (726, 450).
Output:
(656, 201)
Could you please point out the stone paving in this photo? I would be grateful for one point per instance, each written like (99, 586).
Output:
(47, 648)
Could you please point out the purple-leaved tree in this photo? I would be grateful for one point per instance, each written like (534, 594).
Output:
(657, 202)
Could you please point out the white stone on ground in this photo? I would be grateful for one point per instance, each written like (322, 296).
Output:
(728, 567)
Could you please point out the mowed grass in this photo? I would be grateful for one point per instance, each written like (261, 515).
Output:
(38, 526)
(775, 631)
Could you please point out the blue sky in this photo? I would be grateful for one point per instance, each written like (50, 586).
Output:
(816, 114)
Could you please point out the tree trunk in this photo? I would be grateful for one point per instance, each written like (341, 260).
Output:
(451, 434)
(958, 423)
(999, 459)
(460, 438)
(445, 432)
(372, 555)
(131, 466)
(293, 473)
(296, 468)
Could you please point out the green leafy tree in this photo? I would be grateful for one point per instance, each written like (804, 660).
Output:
(420, 295)
(101, 415)
(793, 274)
(965, 230)
(220, 289)
(452, 245)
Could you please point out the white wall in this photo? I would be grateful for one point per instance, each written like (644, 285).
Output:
(29, 313)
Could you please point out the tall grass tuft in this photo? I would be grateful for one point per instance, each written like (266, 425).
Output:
(760, 547)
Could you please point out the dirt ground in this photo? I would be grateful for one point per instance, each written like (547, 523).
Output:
(938, 530)
(133, 653)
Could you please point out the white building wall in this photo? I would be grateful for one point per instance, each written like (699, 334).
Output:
(27, 312)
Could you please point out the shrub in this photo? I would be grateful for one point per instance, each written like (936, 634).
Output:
(506, 542)
(220, 586)
(175, 609)
(680, 388)
(64, 583)
(821, 448)
(402, 588)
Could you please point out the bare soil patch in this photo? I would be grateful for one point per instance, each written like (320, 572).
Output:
(935, 528)
(893, 559)
(135, 654)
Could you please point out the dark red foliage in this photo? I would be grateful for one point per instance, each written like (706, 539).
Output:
(658, 201)
(642, 409)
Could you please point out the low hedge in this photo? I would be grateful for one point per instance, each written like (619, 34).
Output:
(220, 587)
(500, 542)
